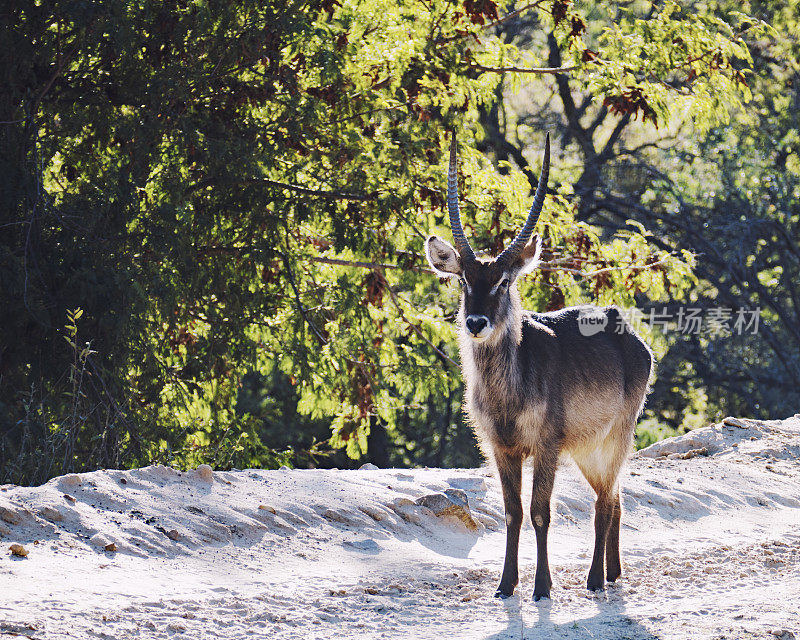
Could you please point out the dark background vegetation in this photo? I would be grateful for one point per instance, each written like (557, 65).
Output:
(212, 215)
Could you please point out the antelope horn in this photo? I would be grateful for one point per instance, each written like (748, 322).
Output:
(452, 206)
(516, 247)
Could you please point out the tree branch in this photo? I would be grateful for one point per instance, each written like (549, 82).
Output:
(367, 265)
(317, 193)
(534, 70)
(418, 331)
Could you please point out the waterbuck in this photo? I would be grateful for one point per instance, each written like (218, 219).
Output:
(539, 384)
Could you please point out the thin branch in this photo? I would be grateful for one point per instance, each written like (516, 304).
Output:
(549, 266)
(497, 22)
(418, 331)
(367, 265)
(513, 14)
(296, 188)
(299, 302)
(535, 70)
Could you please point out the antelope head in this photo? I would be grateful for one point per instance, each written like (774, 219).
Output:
(488, 291)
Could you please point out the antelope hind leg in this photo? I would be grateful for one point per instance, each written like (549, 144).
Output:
(613, 562)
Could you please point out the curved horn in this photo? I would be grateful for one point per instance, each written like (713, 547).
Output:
(516, 247)
(452, 206)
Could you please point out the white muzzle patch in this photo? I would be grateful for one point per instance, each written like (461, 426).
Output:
(478, 328)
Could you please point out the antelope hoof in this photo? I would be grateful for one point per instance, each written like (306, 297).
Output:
(595, 585)
(612, 577)
(541, 588)
(504, 592)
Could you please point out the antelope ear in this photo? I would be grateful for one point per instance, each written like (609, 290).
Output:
(443, 258)
(528, 258)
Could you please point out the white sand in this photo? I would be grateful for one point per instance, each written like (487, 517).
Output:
(711, 549)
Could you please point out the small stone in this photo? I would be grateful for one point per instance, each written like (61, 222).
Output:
(368, 467)
(111, 547)
(18, 550)
(70, 498)
(265, 507)
(284, 468)
(734, 422)
(173, 534)
(205, 472)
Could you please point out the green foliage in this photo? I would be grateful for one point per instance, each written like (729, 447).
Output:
(737, 202)
(236, 196)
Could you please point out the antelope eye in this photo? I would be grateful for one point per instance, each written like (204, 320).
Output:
(503, 284)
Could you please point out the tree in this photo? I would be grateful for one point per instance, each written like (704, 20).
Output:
(697, 184)
(240, 192)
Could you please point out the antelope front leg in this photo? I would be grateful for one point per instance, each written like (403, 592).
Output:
(544, 473)
(510, 469)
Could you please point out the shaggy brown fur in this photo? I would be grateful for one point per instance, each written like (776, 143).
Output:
(538, 386)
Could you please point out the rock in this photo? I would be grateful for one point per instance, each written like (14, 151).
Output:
(373, 512)
(490, 523)
(352, 519)
(458, 496)
(451, 503)
(692, 453)
(284, 468)
(110, 547)
(9, 516)
(713, 439)
(51, 514)
(173, 534)
(71, 480)
(410, 512)
(100, 540)
(18, 550)
(265, 507)
(363, 545)
(734, 422)
(205, 472)
(368, 467)
(70, 498)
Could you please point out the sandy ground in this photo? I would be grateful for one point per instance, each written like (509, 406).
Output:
(710, 538)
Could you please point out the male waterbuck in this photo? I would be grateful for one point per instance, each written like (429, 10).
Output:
(539, 384)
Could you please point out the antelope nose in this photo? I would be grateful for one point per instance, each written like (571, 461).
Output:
(475, 324)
